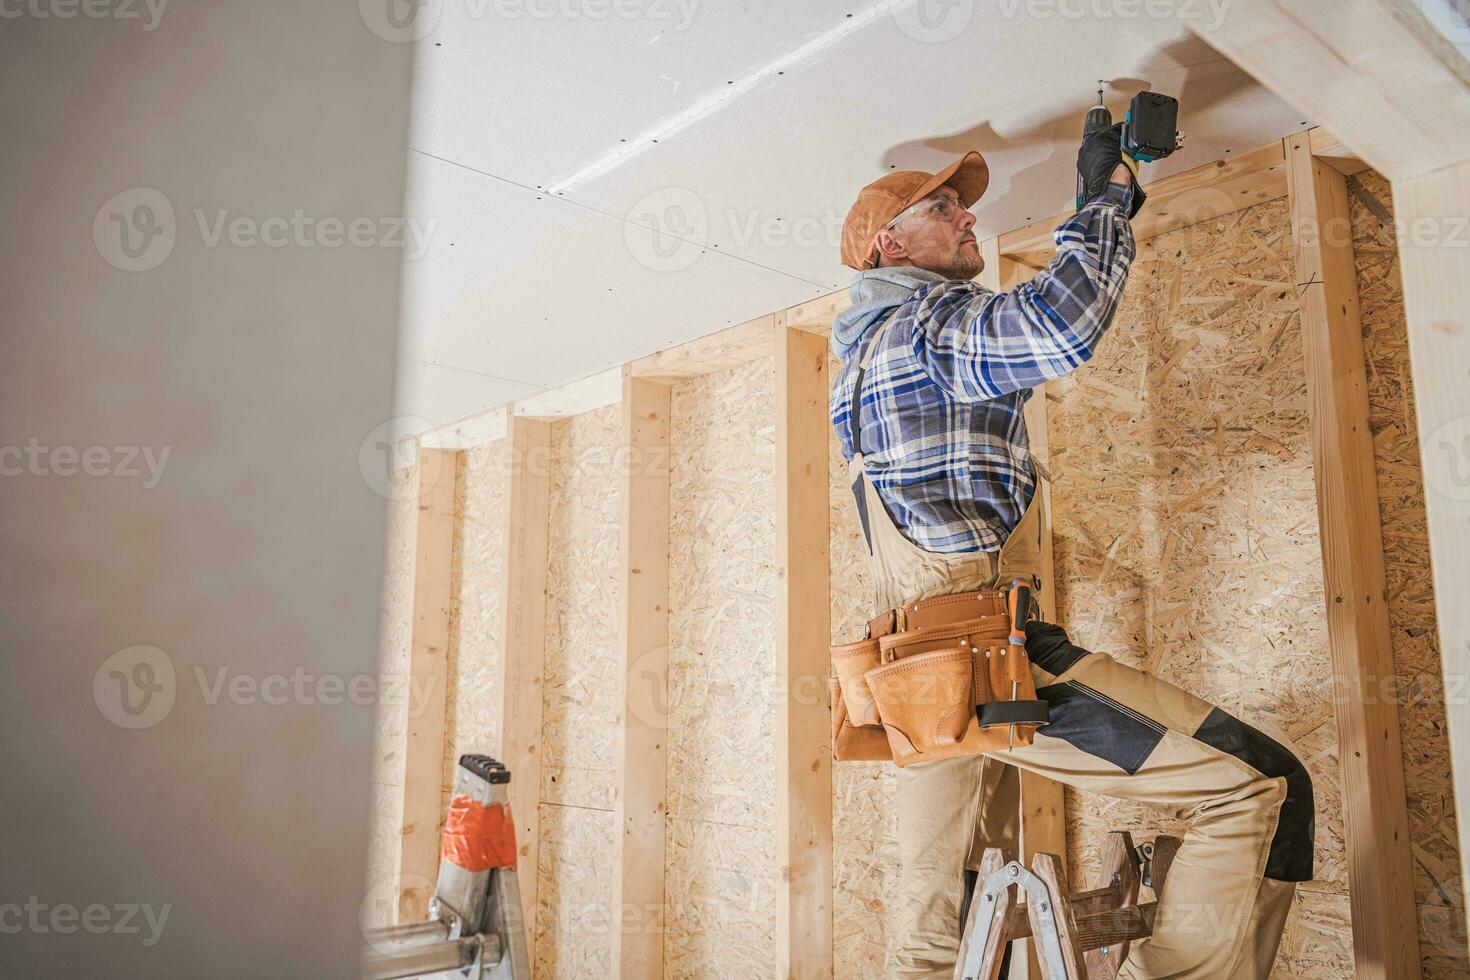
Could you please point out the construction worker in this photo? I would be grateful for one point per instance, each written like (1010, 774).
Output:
(947, 491)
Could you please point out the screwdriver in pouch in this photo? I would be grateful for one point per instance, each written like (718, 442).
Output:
(1018, 603)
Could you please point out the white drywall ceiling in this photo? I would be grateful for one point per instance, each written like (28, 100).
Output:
(565, 240)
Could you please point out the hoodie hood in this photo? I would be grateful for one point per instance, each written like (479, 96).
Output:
(875, 293)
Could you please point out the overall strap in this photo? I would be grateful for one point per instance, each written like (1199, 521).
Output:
(855, 430)
(853, 421)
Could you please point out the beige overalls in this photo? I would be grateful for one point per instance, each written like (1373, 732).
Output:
(1114, 731)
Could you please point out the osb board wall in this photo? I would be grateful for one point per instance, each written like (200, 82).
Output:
(720, 865)
(395, 640)
(864, 826)
(1185, 528)
(1438, 885)
(472, 693)
(579, 701)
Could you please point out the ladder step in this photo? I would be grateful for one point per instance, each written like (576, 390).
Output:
(1098, 929)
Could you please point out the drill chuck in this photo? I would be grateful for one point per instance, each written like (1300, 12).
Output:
(1098, 119)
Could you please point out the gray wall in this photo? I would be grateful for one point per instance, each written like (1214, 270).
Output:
(259, 370)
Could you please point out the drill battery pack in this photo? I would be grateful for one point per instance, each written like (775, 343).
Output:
(1151, 127)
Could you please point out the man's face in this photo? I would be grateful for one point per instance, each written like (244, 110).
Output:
(933, 235)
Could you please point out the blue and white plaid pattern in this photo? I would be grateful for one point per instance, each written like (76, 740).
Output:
(943, 438)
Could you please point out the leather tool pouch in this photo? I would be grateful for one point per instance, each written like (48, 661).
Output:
(934, 692)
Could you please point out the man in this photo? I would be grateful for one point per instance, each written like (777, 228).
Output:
(947, 492)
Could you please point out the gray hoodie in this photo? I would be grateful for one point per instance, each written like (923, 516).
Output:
(875, 293)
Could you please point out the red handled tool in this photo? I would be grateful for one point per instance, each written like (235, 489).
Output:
(1018, 604)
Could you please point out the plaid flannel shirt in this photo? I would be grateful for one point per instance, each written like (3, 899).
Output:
(941, 427)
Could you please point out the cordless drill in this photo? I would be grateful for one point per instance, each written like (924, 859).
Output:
(1149, 131)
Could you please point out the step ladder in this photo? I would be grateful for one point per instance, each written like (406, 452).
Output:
(476, 928)
(1078, 936)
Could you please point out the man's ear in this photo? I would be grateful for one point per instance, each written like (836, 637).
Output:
(889, 247)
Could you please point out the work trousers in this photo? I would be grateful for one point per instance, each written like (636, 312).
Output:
(1119, 732)
(1114, 731)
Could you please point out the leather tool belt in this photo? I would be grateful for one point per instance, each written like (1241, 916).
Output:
(937, 678)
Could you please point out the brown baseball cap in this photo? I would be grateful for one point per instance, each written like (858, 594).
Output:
(885, 199)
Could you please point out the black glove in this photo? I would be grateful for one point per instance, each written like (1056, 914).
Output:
(1098, 158)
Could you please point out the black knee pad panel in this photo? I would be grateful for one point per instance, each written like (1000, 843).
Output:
(1048, 647)
(1290, 858)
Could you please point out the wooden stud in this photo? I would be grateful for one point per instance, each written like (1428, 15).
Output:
(523, 651)
(989, 276)
(1375, 817)
(803, 629)
(1331, 151)
(1378, 75)
(1436, 274)
(423, 756)
(641, 747)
